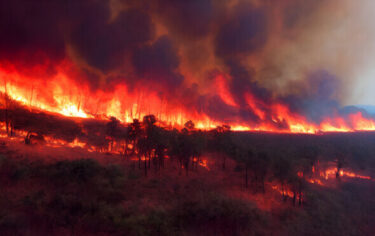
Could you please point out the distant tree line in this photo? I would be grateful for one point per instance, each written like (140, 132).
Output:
(283, 158)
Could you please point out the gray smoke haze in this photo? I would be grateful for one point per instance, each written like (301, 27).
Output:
(313, 55)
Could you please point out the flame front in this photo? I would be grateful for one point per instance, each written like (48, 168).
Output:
(60, 94)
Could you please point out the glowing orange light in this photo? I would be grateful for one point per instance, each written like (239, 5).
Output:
(60, 94)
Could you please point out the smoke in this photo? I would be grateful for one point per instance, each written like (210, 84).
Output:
(308, 55)
(317, 99)
(158, 61)
(104, 44)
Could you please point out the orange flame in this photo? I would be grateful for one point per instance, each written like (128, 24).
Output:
(60, 94)
(331, 172)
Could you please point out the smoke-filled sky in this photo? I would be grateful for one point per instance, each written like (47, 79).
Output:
(316, 56)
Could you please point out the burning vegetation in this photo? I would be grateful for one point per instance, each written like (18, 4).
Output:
(147, 179)
(246, 179)
(128, 60)
(179, 117)
(64, 96)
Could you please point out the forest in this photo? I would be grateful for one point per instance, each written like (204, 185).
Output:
(66, 176)
(187, 117)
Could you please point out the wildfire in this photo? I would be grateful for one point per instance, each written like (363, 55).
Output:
(201, 162)
(285, 192)
(59, 94)
(320, 178)
(331, 172)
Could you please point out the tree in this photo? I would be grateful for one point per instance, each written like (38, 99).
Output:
(222, 142)
(310, 156)
(281, 169)
(112, 130)
(182, 148)
(9, 119)
(340, 150)
(301, 169)
(260, 169)
(143, 150)
(249, 156)
(198, 146)
(150, 135)
(198, 142)
(160, 146)
(243, 155)
(135, 132)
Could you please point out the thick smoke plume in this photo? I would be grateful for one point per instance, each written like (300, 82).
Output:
(233, 61)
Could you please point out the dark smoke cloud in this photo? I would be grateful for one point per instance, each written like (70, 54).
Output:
(317, 100)
(158, 62)
(141, 42)
(190, 19)
(104, 44)
(243, 33)
(243, 82)
(43, 26)
(24, 27)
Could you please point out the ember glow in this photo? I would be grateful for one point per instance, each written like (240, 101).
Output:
(331, 173)
(135, 59)
(62, 95)
(322, 178)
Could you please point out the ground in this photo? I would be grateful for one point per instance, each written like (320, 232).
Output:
(65, 190)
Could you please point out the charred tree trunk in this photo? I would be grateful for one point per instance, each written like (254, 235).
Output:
(127, 149)
(145, 166)
(6, 121)
(255, 181)
(198, 161)
(300, 193)
(133, 147)
(193, 163)
(149, 160)
(283, 191)
(161, 162)
(155, 162)
(6, 117)
(11, 127)
(339, 167)
(139, 160)
(224, 159)
(338, 172)
(263, 185)
(27, 138)
(180, 167)
(246, 176)
(187, 168)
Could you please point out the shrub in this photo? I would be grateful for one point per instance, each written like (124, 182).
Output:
(219, 214)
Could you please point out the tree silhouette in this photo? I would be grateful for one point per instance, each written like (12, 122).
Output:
(222, 142)
(150, 136)
(281, 169)
(134, 134)
(260, 167)
(112, 130)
